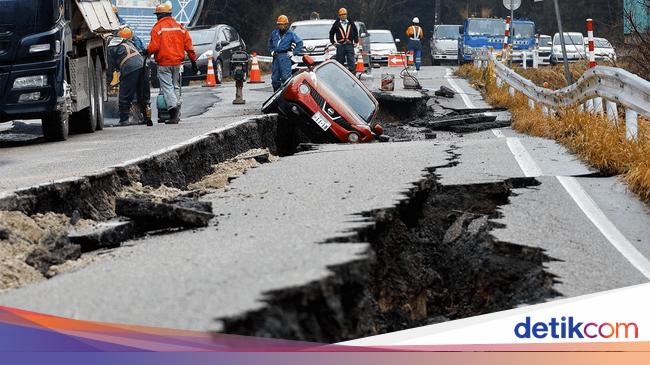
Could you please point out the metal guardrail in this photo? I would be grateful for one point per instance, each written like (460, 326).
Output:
(599, 90)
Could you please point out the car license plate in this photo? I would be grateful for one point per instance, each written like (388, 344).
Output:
(321, 121)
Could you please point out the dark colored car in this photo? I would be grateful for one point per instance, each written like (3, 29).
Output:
(330, 104)
(219, 40)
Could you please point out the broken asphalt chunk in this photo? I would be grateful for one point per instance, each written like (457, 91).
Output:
(445, 92)
(179, 213)
(103, 235)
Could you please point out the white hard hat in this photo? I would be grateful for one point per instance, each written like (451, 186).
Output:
(416, 20)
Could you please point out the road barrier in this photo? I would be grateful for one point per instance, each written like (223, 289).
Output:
(613, 85)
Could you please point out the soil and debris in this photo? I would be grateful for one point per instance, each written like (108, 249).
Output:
(29, 246)
(38, 247)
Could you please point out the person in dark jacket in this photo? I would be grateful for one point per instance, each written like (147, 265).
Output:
(124, 57)
(345, 35)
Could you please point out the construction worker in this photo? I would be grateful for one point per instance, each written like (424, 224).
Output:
(136, 40)
(134, 81)
(282, 44)
(169, 42)
(345, 35)
(415, 34)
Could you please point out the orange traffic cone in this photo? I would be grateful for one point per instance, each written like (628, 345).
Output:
(210, 80)
(255, 74)
(410, 56)
(360, 67)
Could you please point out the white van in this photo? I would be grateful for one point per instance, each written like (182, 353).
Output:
(575, 47)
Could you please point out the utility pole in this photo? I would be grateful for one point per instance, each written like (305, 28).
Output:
(567, 71)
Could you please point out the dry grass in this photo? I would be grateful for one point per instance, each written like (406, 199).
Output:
(592, 137)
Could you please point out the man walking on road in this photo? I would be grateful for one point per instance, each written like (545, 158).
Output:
(281, 44)
(345, 35)
(134, 81)
(169, 42)
(415, 34)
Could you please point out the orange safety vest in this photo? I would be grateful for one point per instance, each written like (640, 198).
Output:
(415, 32)
(345, 33)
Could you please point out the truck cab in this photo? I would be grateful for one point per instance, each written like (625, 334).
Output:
(444, 43)
(522, 40)
(53, 63)
(480, 33)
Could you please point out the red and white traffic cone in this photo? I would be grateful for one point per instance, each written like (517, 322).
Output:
(210, 80)
(360, 66)
(255, 74)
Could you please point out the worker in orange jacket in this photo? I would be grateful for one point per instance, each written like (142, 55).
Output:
(415, 34)
(169, 42)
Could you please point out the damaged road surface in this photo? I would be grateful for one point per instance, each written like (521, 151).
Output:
(338, 242)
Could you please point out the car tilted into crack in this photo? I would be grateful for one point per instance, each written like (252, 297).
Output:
(328, 103)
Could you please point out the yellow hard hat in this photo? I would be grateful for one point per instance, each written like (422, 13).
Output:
(343, 11)
(282, 19)
(125, 33)
(115, 10)
(163, 8)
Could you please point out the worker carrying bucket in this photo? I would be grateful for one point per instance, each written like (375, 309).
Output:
(134, 76)
(169, 43)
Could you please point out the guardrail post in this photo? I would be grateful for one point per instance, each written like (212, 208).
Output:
(536, 59)
(531, 103)
(524, 60)
(612, 111)
(545, 109)
(598, 105)
(511, 91)
(499, 82)
(589, 106)
(631, 126)
(581, 108)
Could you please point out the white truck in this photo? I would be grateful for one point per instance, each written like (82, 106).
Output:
(444, 43)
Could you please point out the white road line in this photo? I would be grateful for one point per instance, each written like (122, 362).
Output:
(571, 185)
(525, 161)
(604, 225)
(586, 204)
(457, 88)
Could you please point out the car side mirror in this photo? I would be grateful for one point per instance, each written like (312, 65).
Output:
(378, 129)
(308, 60)
(398, 40)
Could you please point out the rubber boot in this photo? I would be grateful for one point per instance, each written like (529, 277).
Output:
(173, 116)
(146, 113)
(125, 114)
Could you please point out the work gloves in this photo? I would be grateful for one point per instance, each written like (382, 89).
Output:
(195, 68)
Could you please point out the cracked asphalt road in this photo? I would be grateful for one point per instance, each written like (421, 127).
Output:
(273, 220)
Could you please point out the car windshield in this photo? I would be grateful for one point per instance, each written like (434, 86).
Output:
(545, 41)
(447, 32)
(602, 43)
(524, 30)
(202, 37)
(381, 37)
(347, 88)
(486, 27)
(570, 39)
(312, 31)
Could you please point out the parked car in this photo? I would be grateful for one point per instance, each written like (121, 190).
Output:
(575, 47)
(329, 103)
(545, 49)
(444, 43)
(382, 44)
(315, 35)
(220, 41)
(603, 50)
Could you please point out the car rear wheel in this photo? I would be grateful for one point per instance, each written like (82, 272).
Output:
(56, 126)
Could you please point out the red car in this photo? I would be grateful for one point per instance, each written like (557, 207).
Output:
(330, 103)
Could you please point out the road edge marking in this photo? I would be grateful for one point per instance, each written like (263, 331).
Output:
(458, 89)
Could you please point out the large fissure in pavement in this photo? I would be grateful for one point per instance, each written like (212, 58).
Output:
(431, 259)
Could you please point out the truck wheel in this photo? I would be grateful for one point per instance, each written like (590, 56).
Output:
(55, 126)
(100, 83)
(85, 121)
